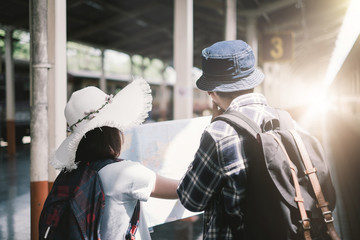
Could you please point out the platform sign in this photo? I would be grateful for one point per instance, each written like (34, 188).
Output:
(168, 148)
(277, 46)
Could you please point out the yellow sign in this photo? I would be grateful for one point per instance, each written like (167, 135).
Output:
(277, 46)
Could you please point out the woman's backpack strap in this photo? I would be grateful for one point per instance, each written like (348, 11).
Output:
(134, 223)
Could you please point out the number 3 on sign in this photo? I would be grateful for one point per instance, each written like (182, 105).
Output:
(277, 50)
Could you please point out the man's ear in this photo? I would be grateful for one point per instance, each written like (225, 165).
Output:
(211, 93)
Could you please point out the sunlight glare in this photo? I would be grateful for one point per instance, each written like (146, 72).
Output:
(348, 34)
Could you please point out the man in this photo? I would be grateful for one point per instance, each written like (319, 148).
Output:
(216, 180)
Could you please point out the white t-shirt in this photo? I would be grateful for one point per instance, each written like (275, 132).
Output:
(124, 183)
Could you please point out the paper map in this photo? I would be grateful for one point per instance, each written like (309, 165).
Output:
(167, 148)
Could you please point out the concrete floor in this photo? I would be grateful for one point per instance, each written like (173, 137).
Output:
(15, 194)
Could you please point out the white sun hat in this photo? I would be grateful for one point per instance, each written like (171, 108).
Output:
(90, 108)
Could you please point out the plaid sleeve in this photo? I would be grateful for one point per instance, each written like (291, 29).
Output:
(202, 179)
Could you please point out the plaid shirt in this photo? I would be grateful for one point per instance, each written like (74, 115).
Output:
(215, 182)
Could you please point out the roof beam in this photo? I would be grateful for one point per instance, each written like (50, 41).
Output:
(97, 27)
(213, 5)
(144, 8)
(124, 16)
(266, 8)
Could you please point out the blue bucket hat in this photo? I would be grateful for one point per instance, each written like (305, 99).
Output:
(229, 66)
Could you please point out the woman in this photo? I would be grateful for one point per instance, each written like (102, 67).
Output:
(103, 190)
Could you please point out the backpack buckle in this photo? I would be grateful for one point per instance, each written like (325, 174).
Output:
(331, 217)
(306, 224)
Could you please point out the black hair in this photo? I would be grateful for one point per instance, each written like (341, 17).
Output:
(99, 144)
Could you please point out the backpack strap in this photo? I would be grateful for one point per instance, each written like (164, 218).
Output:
(88, 197)
(311, 173)
(98, 165)
(298, 197)
(240, 121)
(134, 223)
(286, 121)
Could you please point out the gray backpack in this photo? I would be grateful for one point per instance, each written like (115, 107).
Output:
(290, 194)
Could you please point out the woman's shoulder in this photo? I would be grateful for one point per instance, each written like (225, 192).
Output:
(119, 176)
(126, 162)
(122, 166)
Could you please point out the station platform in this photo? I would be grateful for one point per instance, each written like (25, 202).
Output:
(343, 134)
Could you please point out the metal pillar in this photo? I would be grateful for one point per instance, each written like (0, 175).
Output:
(183, 59)
(230, 20)
(10, 93)
(39, 115)
(57, 87)
(103, 86)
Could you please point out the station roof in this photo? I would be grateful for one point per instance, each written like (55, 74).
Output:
(145, 27)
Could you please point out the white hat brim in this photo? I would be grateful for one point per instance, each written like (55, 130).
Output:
(128, 108)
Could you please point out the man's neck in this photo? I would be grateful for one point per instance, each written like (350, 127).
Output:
(226, 101)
